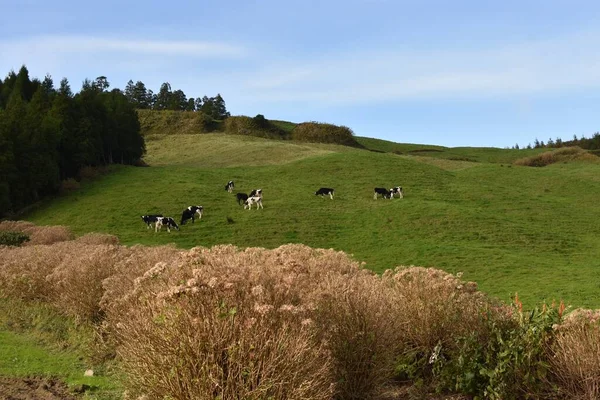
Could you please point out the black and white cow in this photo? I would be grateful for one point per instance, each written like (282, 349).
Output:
(385, 193)
(397, 190)
(150, 219)
(324, 192)
(166, 221)
(229, 187)
(190, 212)
(241, 198)
(256, 193)
(253, 200)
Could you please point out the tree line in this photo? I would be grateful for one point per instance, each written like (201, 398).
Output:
(48, 134)
(168, 99)
(592, 143)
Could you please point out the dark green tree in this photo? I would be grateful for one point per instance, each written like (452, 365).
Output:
(101, 83)
(163, 98)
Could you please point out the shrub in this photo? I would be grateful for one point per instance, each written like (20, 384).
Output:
(241, 312)
(356, 315)
(169, 122)
(575, 355)
(257, 126)
(77, 281)
(23, 270)
(565, 154)
(512, 361)
(90, 173)
(318, 132)
(69, 185)
(38, 234)
(10, 238)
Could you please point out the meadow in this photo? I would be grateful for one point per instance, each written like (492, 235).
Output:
(509, 228)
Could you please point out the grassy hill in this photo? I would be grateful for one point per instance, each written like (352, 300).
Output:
(509, 228)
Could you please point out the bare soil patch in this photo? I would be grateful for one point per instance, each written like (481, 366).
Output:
(31, 388)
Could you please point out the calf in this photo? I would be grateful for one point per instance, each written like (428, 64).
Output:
(229, 187)
(251, 200)
(256, 193)
(397, 190)
(325, 191)
(189, 213)
(241, 198)
(166, 221)
(150, 219)
(385, 193)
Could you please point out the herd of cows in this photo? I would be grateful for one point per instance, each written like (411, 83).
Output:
(247, 200)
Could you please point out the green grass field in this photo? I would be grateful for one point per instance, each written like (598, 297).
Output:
(511, 229)
(36, 341)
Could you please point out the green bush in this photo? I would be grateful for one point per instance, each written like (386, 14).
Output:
(317, 132)
(169, 122)
(11, 238)
(512, 363)
(257, 126)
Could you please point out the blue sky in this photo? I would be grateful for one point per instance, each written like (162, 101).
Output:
(453, 73)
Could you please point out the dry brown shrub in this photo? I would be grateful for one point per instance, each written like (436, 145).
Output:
(38, 234)
(23, 270)
(97, 238)
(68, 185)
(575, 355)
(564, 154)
(77, 281)
(438, 307)
(224, 323)
(356, 313)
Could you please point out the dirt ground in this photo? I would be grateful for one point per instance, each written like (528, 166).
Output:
(33, 389)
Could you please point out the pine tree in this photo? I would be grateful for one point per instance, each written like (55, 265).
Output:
(163, 98)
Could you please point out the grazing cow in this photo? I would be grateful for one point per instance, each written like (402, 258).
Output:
(325, 191)
(256, 192)
(189, 213)
(251, 200)
(229, 187)
(241, 198)
(150, 219)
(166, 221)
(397, 190)
(385, 193)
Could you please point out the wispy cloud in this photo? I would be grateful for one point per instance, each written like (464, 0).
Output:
(558, 64)
(99, 45)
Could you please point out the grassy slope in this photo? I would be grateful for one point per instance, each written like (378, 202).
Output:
(37, 341)
(511, 229)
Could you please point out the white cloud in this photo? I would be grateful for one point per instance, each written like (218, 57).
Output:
(52, 50)
(554, 65)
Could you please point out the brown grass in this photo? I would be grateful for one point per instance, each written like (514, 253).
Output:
(38, 234)
(575, 355)
(564, 154)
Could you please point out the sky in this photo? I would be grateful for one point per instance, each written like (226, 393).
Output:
(446, 72)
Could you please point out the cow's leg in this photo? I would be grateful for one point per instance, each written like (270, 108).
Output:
(375, 196)
(331, 195)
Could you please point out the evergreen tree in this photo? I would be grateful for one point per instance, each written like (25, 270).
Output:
(178, 101)
(101, 83)
(191, 104)
(163, 98)
(65, 88)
